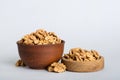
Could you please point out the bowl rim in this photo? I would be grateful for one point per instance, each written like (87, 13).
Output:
(62, 42)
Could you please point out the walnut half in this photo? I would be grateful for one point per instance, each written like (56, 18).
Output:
(57, 67)
(20, 63)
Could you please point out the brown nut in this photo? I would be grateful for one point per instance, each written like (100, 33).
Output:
(78, 54)
(20, 63)
(40, 37)
(57, 67)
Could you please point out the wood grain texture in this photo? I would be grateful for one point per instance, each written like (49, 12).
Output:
(87, 66)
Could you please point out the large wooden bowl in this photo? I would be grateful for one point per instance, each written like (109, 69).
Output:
(40, 56)
(87, 66)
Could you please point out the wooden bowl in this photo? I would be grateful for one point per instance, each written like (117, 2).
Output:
(87, 66)
(40, 56)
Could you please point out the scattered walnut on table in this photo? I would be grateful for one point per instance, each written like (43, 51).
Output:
(57, 67)
(20, 63)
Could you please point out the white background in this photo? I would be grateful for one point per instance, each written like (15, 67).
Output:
(89, 24)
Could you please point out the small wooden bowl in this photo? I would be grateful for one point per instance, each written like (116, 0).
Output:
(40, 56)
(87, 66)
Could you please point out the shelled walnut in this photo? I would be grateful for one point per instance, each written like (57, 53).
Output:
(78, 54)
(20, 63)
(57, 67)
(40, 37)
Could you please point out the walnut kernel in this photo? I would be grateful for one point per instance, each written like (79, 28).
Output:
(78, 54)
(20, 63)
(57, 67)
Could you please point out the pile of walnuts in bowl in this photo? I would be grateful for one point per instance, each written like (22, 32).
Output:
(78, 54)
(40, 37)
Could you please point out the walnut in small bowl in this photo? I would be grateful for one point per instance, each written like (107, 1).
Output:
(81, 60)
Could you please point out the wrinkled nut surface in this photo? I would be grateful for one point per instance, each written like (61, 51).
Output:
(57, 67)
(78, 54)
(20, 63)
(40, 37)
